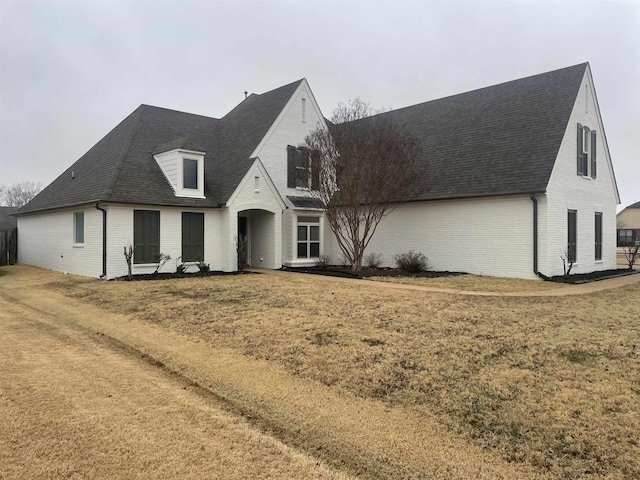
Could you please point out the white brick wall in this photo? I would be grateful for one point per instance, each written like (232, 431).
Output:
(47, 241)
(120, 228)
(568, 191)
(484, 236)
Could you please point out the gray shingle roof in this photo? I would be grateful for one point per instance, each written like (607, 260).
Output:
(121, 167)
(497, 140)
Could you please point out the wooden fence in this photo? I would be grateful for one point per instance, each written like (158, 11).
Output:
(8, 246)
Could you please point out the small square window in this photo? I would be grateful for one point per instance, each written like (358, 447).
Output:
(190, 174)
(78, 227)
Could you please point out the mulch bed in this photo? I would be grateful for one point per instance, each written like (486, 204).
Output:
(169, 276)
(593, 276)
(365, 272)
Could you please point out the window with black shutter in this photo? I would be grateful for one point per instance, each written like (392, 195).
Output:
(146, 236)
(586, 151)
(572, 226)
(598, 236)
(303, 168)
(192, 236)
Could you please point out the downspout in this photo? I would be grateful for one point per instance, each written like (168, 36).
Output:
(535, 239)
(104, 240)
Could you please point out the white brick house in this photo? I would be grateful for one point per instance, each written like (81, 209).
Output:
(503, 188)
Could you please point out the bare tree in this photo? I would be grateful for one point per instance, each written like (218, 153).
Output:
(631, 253)
(364, 162)
(19, 194)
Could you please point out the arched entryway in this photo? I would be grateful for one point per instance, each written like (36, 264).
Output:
(257, 233)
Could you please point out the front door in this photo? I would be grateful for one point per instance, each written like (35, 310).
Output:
(243, 240)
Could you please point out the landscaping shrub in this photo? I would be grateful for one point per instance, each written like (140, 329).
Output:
(323, 261)
(412, 262)
(373, 260)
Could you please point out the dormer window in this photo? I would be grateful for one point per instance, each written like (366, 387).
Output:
(190, 173)
(184, 170)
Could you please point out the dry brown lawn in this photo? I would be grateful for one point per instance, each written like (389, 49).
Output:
(71, 407)
(475, 283)
(550, 385)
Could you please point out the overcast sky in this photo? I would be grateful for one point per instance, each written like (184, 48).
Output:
(71, 70)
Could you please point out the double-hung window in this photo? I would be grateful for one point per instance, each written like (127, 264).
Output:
(598, 236)
(78, 228)
(586, 160)
(625, 237)
(572, 235)
(308, 237)
(303, 168)
(192, 236)
(146, 236)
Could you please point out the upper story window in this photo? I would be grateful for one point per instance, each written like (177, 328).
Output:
(586, 159)
(190, 173)
(184, 169)
(303, 168)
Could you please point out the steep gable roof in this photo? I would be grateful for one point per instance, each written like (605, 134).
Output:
(497, 140)
(121, 168)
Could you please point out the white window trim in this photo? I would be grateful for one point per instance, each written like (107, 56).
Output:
(77, 244)
(586, 148)
(308, 260)
(176, 158)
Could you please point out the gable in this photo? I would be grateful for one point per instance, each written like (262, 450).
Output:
(567, 179)
(297, 119)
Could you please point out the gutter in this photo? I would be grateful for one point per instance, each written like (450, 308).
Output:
(104, 240)
(535, 239)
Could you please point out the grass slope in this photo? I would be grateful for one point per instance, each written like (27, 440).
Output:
(547, 382)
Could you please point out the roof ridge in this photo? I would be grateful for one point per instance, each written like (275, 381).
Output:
(118, 167)
(448, 97)
(177, 111)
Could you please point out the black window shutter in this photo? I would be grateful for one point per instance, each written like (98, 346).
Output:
(315, 170)
(153, 236)
(593, 154)
(186, 237)
(580, 146)
(197, 236)
(291, 166)
(138, 236)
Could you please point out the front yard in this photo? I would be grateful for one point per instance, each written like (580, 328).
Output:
(549, 383)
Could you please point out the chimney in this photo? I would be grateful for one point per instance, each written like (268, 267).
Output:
(246, 94)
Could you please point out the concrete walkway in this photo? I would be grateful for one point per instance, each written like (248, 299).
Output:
(562, 290)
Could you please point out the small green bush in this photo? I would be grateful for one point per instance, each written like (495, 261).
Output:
(412, 262)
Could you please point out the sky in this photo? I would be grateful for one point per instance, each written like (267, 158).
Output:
(71, 70)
